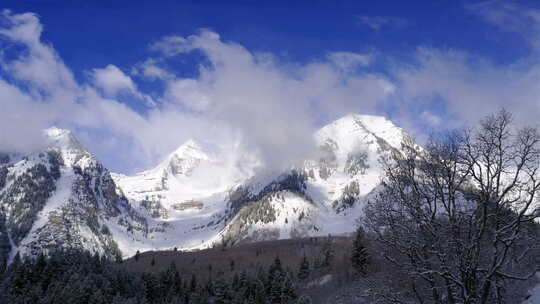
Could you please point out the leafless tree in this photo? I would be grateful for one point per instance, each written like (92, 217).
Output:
(457, 218)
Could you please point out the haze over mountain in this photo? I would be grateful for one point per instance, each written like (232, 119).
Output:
(230, 87)
(198, 197)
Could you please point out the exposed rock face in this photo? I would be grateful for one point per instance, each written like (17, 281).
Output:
(324, 195)
(59, 198)
(199, 196)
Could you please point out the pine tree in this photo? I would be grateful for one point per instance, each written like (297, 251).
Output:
(288, 293)
(137, 254)
(259, 292)
(193, 283)
(275, 288)
(152, 288)
(360, 255)
(276, 267)
(221, 292)
(18, 274)
(235, 282)
(328, 253)
(303, 272)
(210, 287)
(304, 299)
(243, 279)
(210, 270)
(168, 278)
(275, 279)
(3, 266)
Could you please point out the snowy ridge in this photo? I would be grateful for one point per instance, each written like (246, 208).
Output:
(59, 198)
(200, 195)
(324, 196)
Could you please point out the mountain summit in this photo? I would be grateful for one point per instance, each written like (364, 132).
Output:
(324, 195)
(63, 197)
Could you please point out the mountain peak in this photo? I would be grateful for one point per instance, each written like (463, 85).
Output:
(372, 121)
(62, 138)
(190, 149)
(353, 125)
(186, 158)
(72, 151)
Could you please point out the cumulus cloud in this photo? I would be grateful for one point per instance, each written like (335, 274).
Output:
(242, 100)
(37, 91)
(275, 107)
(149, 69)
(42, 75)
(114, 82)
(449, 88)
(188, 93)
(252, 100)
(470, 87)
(348, 60)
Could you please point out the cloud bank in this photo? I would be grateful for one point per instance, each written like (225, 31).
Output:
(269, 107)
(255, 102)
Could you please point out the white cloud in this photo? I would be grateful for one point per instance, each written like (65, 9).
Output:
(170, 45)
(347, 61)
(430, 118)
(274, 106)
(114, 82)
(470, 87)
(40, 66)
(24, 28)
(377, 23)
(149, 69)
(188, 93)
(511, 17)
(252, 100)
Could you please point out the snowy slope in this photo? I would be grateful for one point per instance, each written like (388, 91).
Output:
(200, 195)
(192, 205)
(333, 187)
(61, 197)
(184, 196)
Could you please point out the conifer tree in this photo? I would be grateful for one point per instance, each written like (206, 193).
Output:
(303, 272)
(210, 287)
(221, 292)
(288, 293)
(360, 255)
(235, 282)
(328, 253)
(304, 299)
(276, 267)
(193, 283)
(3, 267)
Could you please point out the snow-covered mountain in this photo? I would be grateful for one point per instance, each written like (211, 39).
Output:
(199, 196)
(323, 196)
(61, 197)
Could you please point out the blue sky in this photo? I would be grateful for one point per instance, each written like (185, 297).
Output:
(177, 69)
(89, 34)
